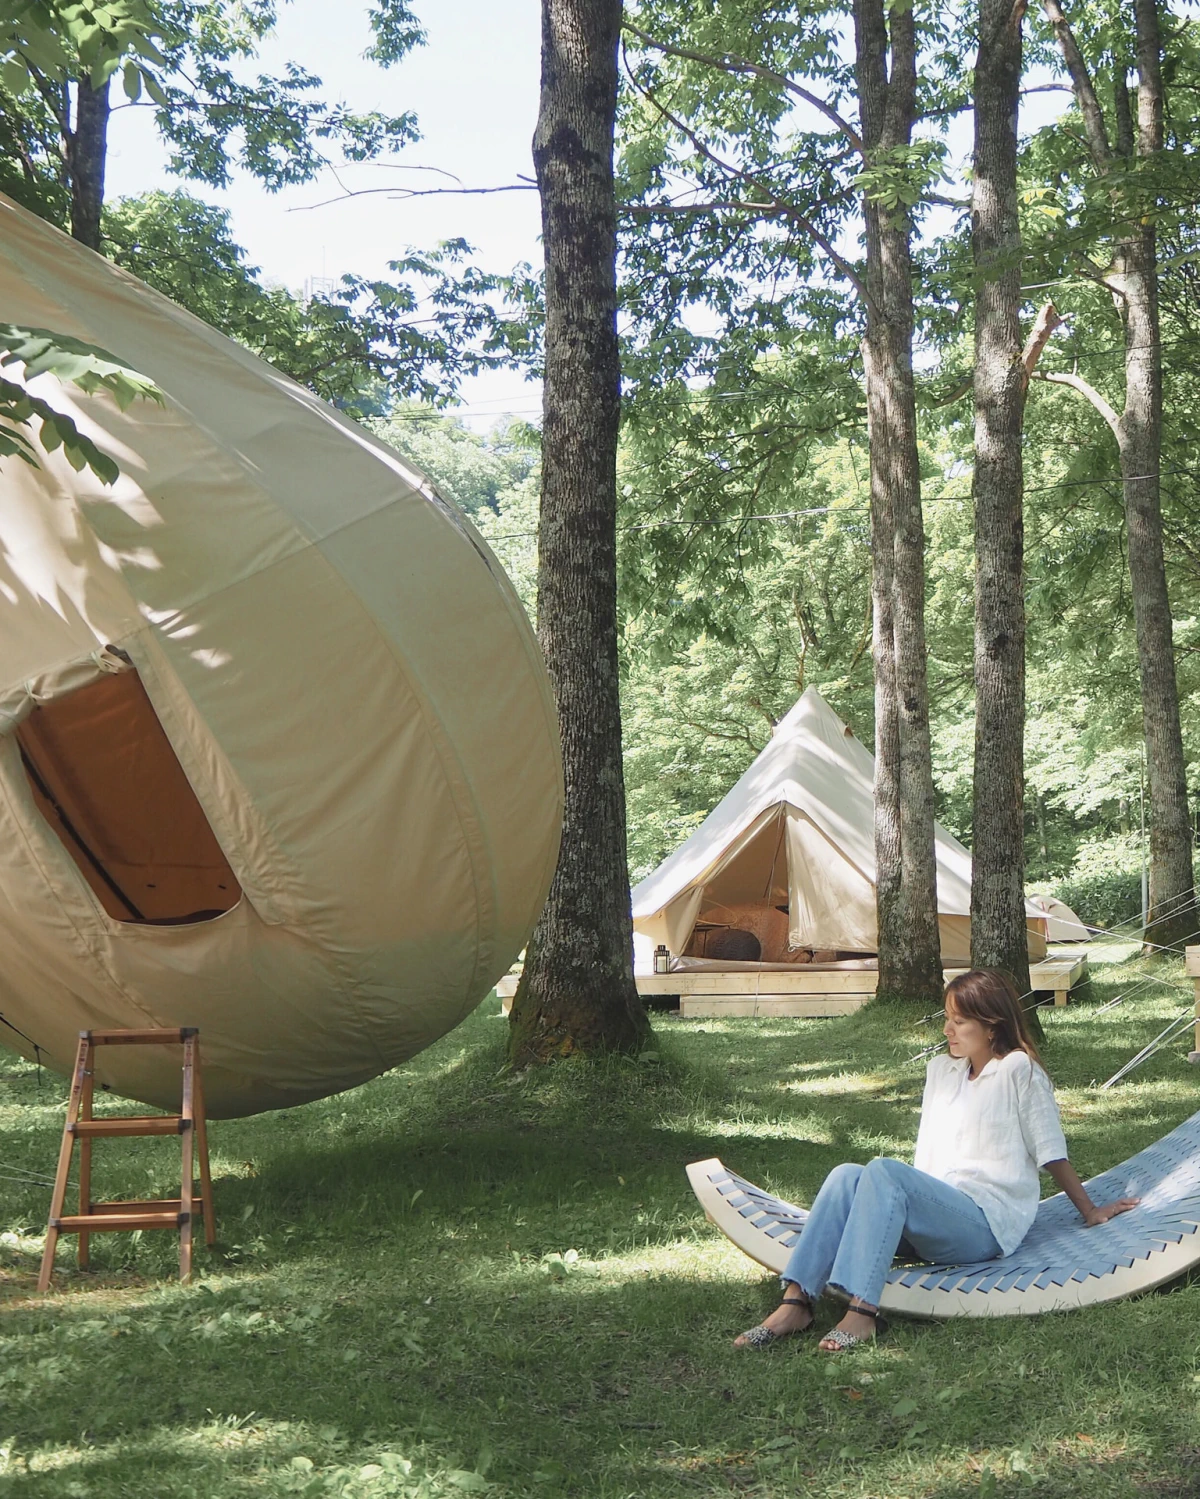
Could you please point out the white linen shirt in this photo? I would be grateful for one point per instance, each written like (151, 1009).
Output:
(990, 1135)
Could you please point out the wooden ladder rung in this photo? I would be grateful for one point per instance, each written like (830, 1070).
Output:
(96, 1223)
(195, 1198)
(150, 1124)
(155, 1205)
(160, 1037)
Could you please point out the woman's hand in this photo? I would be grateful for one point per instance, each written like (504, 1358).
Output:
(1068, 1179)
(1094, 1215)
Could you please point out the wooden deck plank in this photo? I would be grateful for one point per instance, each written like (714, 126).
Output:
(840, 992)
(764, 1006)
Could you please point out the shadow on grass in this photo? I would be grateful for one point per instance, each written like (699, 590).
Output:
(601, 1384)
(507, 1278)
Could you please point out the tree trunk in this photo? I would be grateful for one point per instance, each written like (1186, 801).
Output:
(906, 896)
(1139, 437)
(577, 993)
(87, 154)
(1172, 909)
(998, 931)
(1172, 912)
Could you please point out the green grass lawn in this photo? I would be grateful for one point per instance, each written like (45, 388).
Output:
(453, 1280)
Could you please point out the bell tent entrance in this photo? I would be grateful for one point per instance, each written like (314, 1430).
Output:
(105, 778)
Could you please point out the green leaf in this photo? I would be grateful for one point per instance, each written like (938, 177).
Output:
(133, 82)
(86, 365)
(14, 76)
(52, 436)
(154, 89)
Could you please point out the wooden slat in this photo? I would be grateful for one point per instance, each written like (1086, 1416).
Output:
(83, 1245)
(1191, 957)
(83, 1064)
(116, 1222)
(151, 1124)
(762, 1006)
(854, 981)
(188, 1142)
(823, 992)
(168, 1037)
(206, 1202)
(1055, 969)
(151, 1205)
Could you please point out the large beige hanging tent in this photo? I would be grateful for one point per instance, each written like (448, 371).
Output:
(789, 855)
(278, 755)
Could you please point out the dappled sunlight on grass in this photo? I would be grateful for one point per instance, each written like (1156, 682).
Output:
(504, 1282)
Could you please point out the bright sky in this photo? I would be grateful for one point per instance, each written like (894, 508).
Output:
(474, 87)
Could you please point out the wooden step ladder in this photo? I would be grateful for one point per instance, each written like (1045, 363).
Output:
(189, 1124)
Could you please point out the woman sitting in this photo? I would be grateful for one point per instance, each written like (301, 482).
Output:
(988, 1123)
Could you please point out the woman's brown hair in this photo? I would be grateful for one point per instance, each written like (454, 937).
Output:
(989, 996)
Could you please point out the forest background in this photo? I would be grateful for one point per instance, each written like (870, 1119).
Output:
(744, 528)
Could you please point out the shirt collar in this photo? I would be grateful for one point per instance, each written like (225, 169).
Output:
(962, 1063)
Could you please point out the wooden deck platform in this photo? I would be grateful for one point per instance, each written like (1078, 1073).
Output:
(801, 993)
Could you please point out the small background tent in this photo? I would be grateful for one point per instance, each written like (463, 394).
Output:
(278, 752)
(789, 854)
(1058, 923)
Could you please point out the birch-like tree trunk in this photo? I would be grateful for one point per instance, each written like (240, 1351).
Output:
(1171, 875)
(1133, 278)
(998, 932)
(909, 949)
(577, 993)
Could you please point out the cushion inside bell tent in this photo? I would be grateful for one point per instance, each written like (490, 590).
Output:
(271, 658)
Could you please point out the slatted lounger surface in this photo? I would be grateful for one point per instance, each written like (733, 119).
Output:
(1060, 1263)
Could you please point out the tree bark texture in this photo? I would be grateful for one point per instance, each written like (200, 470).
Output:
(1134, 278)
(998, 930)
(87, 155)
(577, 993)
(1172, 912)
(906, 896)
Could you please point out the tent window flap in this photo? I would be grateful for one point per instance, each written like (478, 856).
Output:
(104, 776)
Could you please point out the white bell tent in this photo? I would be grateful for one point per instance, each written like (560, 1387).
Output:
(278, 752)
(1058, 921)
(796, 834)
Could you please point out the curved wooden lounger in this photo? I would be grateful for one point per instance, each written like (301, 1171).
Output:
(1060, 1264)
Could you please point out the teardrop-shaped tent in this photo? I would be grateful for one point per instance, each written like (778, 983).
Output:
(278, 753)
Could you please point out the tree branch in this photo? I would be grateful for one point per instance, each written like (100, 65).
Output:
(1081, 79)
(730, 62)
(663, 210)
(1089, 392)
(956, 393)
(1048, 319)
(402, 193)
(785, 209)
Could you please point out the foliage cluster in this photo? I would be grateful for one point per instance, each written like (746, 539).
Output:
(700, 702)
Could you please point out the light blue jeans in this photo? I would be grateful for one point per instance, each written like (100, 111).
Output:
(862, 1212)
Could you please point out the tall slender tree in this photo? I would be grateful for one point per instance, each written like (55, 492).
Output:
(577, 993)
(1126, 160)
(998, 937)
(909, 951)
